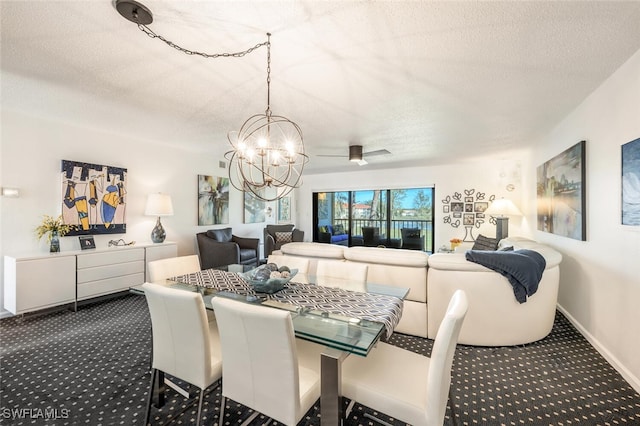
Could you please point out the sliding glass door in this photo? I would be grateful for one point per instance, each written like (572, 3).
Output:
(399, 218)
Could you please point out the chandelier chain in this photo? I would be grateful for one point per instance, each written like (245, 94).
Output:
(268, 111)
(151, 34)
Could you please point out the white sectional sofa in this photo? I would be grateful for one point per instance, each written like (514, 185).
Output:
(494, 318)
(402, 268)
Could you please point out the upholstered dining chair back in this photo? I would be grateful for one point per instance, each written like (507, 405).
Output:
(170, 267)
(184, 345)
(403, 384)
(299, 263)
(260, 361)
(346, 275)
(444, 347)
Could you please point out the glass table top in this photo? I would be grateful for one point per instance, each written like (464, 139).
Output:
(337, 331)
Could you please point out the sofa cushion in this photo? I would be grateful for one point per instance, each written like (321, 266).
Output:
(331, 251)
(485, 243)
(222, 235)
(398, 257)
(284, 237)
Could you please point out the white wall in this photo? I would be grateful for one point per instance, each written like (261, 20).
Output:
(30, 159)
(488, 175)
(600, 278)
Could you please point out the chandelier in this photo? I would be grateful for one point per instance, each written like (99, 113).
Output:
(268, 154)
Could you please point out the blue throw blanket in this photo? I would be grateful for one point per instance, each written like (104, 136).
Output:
(523, 268)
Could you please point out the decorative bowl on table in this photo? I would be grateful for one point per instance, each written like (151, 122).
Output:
(269, 278)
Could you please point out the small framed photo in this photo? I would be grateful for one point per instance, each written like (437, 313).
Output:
(468, 199)
(457, 207)
(87, 242)
(457, 215)
(445, 208)
(480, 215)
(468, 219)
(468, 208)
(480, 206)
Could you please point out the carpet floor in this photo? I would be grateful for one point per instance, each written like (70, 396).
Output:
(92, 367)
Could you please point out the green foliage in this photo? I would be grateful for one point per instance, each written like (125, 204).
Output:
(50, 225)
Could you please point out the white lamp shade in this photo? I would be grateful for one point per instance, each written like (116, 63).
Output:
(503, 207)
(159, 205)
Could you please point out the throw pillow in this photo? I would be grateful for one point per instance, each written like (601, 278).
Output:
(338, 230)
(324, 229)
(506, 248)
(284, 237)
(485, 243)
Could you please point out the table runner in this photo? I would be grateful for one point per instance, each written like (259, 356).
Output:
(365, 306)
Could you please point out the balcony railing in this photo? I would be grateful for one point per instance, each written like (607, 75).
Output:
(394, 237)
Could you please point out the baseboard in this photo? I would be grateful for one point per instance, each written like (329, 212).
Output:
(5, 314)
(611, 359)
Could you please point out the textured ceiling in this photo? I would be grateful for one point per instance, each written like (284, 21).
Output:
(429, 81)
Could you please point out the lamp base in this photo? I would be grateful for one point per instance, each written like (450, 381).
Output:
(502, 228)
(157, 234)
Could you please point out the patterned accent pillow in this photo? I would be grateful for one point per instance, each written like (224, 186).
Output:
(284, 237)
(485, 243)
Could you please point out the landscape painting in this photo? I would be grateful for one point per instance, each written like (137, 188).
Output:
(94, 198)
(561, 191)
(631, 183)
(213, 200)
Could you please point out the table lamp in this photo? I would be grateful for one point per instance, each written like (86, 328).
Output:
(501, 209)
(158, 205)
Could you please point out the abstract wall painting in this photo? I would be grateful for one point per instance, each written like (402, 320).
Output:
(284, 209)
(631, 183)
(253, 209)
(213, 200)
(561, 194)
(94, 198)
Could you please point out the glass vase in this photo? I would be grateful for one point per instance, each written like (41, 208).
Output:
(54, 246)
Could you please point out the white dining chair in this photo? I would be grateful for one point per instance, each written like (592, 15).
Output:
(262, 367)
(407, 386)
(293, 262)
(185, 344)
(346, 275)
(162, 269)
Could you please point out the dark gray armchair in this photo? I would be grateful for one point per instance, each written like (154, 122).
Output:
(219, 247)
(272, 232)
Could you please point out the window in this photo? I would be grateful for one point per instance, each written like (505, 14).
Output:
(375, 218)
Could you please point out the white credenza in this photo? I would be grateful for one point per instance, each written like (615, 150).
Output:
(33, 282)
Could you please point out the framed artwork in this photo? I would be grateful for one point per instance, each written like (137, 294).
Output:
(468, 208)
(445, 208)
(284, 209)
(253, 209)
(468, 219)
(213, 200)
(468, 199)
(561, 194)
(631, 183)
(457, 207)
(87, 242)
(480, 207)
(93, 198)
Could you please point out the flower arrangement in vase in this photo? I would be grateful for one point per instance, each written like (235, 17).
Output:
(455, 242)
(53, 228)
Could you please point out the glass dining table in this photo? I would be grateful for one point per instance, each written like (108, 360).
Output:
(345, 322)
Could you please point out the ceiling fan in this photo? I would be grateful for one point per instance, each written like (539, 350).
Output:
(356, 155)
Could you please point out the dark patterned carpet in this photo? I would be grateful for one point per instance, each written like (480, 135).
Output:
(92, 367)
